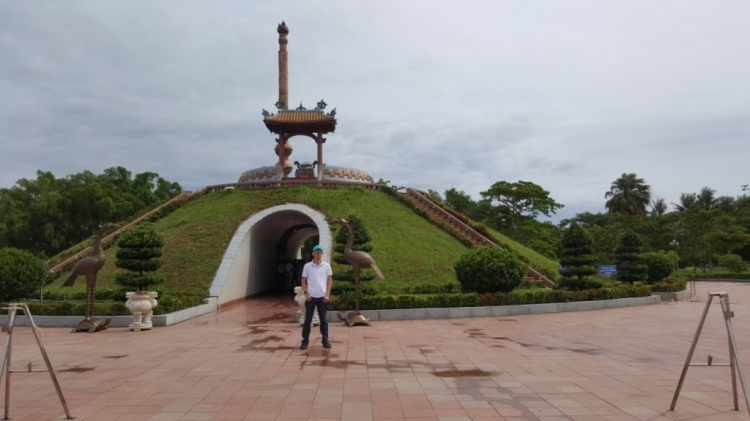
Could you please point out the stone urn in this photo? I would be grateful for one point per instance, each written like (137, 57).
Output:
(300, 299)
(141, 305)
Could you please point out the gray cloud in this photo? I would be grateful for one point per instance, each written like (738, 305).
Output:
(567, 95)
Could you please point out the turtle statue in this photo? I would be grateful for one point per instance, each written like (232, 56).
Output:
(354, 318)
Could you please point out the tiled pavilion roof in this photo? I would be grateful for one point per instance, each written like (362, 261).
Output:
(300, 120)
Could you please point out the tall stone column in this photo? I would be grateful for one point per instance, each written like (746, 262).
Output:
(283, 66)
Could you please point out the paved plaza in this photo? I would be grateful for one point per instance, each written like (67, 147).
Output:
(243, 363)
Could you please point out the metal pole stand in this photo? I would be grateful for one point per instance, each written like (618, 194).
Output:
(5, 364)
(734, 362)
(693, 293)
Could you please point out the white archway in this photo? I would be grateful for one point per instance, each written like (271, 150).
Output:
(249, 263)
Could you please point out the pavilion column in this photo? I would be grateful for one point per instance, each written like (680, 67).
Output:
(319, 141)
(282, 153)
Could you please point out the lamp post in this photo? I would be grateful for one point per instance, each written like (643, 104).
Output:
(674, 244)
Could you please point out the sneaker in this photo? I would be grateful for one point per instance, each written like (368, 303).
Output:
(326, 344)
(303, 346)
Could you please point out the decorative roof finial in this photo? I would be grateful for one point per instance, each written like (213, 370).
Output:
(282, 28)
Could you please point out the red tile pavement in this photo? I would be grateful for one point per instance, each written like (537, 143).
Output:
(243, 364)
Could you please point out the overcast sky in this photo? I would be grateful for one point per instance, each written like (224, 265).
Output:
(430, 95)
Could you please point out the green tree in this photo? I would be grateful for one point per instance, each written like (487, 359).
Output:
(21, 274)
(139, 251)
(577, 258)
(461, 202)
(489, 269)
(733, 262)
(630, 267)
(48, 214)
(725, 234)
(543, 237)
(659, 265)
(522, 199)
(434, 197)
(605, 241)
(706, 198)
(687, 201)
(658, 207)
(628, 195)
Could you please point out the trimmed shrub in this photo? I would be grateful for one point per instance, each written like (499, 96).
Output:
(630, 267)
(21, 274)
(489, 269)
(659, 266)
(575, 284)
(139, 249)
(733, 262)
(577, 258)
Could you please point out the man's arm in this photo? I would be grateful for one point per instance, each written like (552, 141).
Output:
(329, 282)
(303, 281)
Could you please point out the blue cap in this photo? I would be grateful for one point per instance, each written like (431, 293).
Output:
(318, 248)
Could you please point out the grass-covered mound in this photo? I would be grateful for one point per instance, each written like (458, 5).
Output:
(407, 248)
(414, 254)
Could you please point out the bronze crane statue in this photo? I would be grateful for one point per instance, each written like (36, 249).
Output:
(358, 260)
(90, 266)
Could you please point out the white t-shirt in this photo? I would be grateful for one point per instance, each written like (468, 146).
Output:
(317, 278)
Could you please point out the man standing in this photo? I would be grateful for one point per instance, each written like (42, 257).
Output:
(317, 277)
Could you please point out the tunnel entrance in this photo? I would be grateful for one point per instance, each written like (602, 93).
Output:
(250, 262)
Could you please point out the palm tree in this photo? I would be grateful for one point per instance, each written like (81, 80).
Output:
(658, 207)
(629, 195)
(687, 200)
(707, 198)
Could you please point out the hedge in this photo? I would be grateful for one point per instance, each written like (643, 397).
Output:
(110, 302)
(385, 302)
(720, 275)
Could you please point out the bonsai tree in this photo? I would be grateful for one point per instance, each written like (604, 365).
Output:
(577, 259)
(361, 238)
(489, 269)
(630, 267)
(21, 274)
(139, 249)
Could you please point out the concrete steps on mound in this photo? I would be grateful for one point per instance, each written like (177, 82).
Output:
(88, 250)
(439, 216)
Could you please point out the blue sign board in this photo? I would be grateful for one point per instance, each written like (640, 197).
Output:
(608, 270)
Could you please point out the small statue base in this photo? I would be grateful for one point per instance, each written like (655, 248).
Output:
(91, 325)
(354, 318)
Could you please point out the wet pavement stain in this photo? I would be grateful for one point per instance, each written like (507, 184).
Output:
(257, 330)
(257, 344)
(283, 317)
(462, 373)
(75, 370)
(548, 348)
